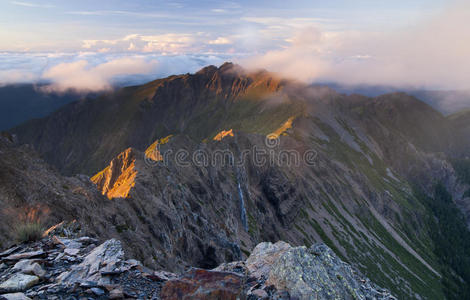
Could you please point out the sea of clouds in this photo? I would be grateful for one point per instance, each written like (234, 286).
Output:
(94, 71)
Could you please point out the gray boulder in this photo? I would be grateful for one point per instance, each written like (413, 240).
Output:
(19, 282)
(103, 258)
(29, 266)
(310, 273)
(264, 256)
(25, 255)
(14, 296)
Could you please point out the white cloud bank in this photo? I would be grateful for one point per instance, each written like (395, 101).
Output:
(220, 41)
(169, 43)
(174, 43)
(80, 76)
(95, 71)
(435, 53)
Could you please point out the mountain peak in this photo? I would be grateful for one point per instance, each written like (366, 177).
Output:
(207, 70)
(226, 64)
(231, 68)
(226, 67)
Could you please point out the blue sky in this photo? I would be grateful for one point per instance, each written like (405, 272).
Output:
(36, 25)
(94, 44)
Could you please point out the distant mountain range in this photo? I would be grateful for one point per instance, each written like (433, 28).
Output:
(383, 181)
(445, 101)
(22, 102)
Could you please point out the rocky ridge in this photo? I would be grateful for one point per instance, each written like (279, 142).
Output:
(72, 267)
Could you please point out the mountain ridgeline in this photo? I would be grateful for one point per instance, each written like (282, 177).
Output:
(376, 179)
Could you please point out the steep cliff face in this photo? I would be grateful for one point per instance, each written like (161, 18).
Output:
(119, 177)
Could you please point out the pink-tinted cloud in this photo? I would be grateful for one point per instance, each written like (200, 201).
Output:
(434, 53)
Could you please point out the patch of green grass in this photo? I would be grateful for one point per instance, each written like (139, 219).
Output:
(385, 268)
(306, 236)
(29, 232)
(421, 279)
(252, 228)
(325, 237)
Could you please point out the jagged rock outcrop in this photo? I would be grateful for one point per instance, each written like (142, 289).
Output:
(317, 273)
(95, 272)
(285, 272)
(273, 271)
(118, 178)
(105, 258)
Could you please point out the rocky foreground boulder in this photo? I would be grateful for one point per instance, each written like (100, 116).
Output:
(60, 267)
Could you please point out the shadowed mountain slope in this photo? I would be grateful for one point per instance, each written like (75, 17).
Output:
(22, 102)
